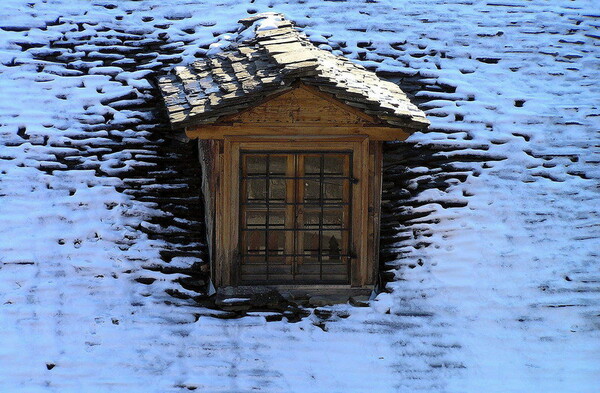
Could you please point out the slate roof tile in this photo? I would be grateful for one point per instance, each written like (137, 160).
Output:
(246, 71)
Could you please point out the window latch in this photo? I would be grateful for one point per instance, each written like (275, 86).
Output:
(353, 180)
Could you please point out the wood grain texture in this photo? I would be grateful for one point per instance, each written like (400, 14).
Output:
(227, 211)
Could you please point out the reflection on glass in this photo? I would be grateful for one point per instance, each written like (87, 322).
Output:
(276, 218)
(333, 217)
(312, 218)
(312, 190)
(311, 243)
(277, 189)
(255, 260)
(277, 165)
(331, 245)
(255, 241)
(256, 189)
(333, 164)
(312, 165)
(256, 218)
(256, 164)
(333, 189)
(276, 242)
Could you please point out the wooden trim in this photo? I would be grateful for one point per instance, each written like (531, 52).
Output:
(228, 210)
(363, 253)
(273, 95)
(331, 99)
(376, 133)
(312, 90)
(375, 173)
(220, 259)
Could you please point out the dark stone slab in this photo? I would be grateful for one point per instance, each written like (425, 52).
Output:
(251, 297)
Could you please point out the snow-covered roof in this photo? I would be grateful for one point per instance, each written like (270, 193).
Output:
(265, 58)
(489, 231)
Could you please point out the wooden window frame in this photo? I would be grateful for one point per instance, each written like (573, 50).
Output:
(295, 228)
(227, 215)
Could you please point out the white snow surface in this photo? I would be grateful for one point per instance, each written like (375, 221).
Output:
(506, 297)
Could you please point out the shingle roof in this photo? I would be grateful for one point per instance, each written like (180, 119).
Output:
(91, 194)
(266, 57)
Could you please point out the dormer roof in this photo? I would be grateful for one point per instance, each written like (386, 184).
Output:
(269, 56)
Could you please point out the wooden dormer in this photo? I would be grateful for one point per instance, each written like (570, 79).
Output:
(291, 154)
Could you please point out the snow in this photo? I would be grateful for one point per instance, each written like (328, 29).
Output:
(503, 298)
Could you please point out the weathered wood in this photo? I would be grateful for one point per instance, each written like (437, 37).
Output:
(302, 104)
(375, 174)
(227, 260)
(208, 154)
(374, 133)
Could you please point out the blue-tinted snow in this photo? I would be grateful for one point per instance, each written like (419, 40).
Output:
(505, 297)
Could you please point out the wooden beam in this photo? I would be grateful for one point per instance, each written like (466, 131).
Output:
(375, 133)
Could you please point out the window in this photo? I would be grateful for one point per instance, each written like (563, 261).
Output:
(295, 224)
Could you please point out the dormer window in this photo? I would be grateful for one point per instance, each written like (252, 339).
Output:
(290, 142)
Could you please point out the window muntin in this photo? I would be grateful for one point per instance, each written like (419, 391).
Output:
(295, 217)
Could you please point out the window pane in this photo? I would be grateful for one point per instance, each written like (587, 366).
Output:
(312, 190)
(333, 164)
(278, 165)
(312, 165)
(255, 260)
(312, 217)
(256, 218)
(333, 218)
(276, 218)
(256, 164)
(311, 243)
(255, 241)
(256, 189)
(277, 189)
(276, 242)
(333, 189)
(332, 244)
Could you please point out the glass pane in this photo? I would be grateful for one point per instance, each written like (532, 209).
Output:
(311, 218)
(256, 164)
(332, 244)
(255, 241)
(277, 165)
(312, 190)
(333, 189)
(276, 242)
(256, 189)
(312, 165)
(333, 217)
(311, 243)
(256, 260)
(277, 189)
(333, 164)
(277, 265)
(276, 218)
(256, 218)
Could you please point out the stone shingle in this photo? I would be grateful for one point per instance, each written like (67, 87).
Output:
(250, 69)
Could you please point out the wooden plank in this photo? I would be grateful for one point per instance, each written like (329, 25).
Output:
(330, 98)
(301, 104)
(208, 154)
(232, 206)
(362, 253)
(220, 257)
(374, 133)
(375, 167)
